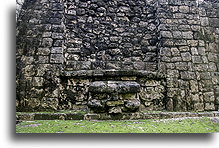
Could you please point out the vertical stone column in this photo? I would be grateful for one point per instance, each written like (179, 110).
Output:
(40, 43)
(189, 54)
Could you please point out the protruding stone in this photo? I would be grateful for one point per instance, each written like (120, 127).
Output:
(114, 86)
(115, 110)
(132, 104)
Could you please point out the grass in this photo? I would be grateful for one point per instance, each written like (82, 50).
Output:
(201, 125)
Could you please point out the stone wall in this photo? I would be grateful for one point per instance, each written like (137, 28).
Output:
(189, 53)
(118, 56)
(111, 35)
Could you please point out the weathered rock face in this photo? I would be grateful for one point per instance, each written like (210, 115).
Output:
(117, 56)
(114, 96)
(111, 35)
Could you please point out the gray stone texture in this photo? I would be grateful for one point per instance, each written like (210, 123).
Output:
(117, 57)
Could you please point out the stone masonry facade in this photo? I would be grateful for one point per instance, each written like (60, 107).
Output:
(117, 56)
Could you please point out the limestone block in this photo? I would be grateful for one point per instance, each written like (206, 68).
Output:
(95, 104)
(204, 21)
(43, 59)
(115, 103)
(201, 51)
(172, 82)
(27, 59)
(195, 98)
(182, 66)
(187, 75)
(194, 51)
(166, 34)
(132, 104)
(217, 100)
(200, 67)
(29, 70)
(47, 34)
(212, 57)
(175, 52)
(37, 81)
(33, 103)
(115, 110)
(57, 50)
(184, 9)
(56, 58)
(139, 65)
(205, 76)
(58, 36)
(36, 93)
(114, 86)
(197, 59)
(209, 97)
(209, 106)
(42, 68)
(194, 86)
(173, 73)
(47, 42)
(187, 35)
(184, 48)
(128, 96)
(102, 96)
(43, 51)
(152, 83)
(177, 34)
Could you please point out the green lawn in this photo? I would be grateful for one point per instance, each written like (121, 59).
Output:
(201, 125)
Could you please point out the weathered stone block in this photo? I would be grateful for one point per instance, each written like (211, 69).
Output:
(187, 75)
(43, 59)
(132, 104)
(115, 110)
(194, 51)
(209, 107)
(115, 103)
(47, 42)
(184, 48)
(200, 67)
(57, 50)
(56, 58)
(204, 21)
(186, 56)
(175, 52)
(182, 66)
(197, 59)
(37, 81)
(113, 65)
(166, 34)
(212, 57)
(209, 96)
(194, 86)
(177, 34)
(184, 9)
(128, 96)
(139, 65)
(92, 116)
(33, 103)
(187, 35)
(114, 86)
(43, 51)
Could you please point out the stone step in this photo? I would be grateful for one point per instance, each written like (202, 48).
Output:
(23, 116)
